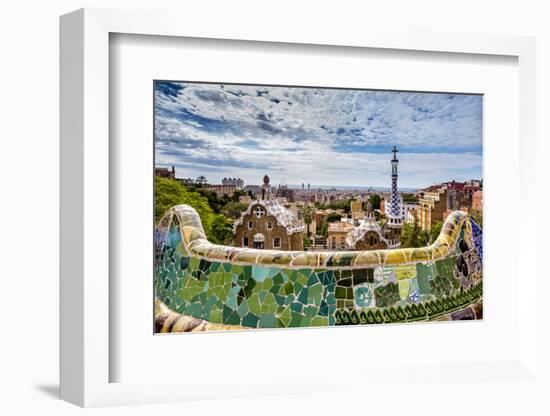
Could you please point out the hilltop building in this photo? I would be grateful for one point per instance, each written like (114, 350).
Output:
(283, 191)
(337, 234)
(437, 201)
(221, 190)
(267, 224)
(432, 207)
(477, 200)
(166, 173)
(236, 182)
(357, 209)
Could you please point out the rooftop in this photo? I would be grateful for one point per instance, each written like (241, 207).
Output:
(284, 217)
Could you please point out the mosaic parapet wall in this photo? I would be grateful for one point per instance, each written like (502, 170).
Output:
(252, 288)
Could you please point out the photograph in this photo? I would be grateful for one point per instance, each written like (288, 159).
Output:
(297, 206)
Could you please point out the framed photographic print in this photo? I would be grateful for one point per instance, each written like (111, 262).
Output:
(332, 201)
(302, 222)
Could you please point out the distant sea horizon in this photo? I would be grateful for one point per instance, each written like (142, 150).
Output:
(350, 188)
(361, 188)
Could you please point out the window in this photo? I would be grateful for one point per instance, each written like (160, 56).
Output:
(259, 212)
(250, 225)
(245, 241)
(269, 225)
(276, 242)
(259, 240)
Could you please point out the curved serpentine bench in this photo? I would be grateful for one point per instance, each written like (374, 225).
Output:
(272, 288)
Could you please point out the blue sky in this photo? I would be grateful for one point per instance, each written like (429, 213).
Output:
(316, 135)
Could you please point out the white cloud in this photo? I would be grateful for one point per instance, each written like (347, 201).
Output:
(314, 135)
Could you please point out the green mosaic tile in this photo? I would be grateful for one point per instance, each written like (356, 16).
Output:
(250, 320)
(286, 316)
(254, 304)
(278, 279)
(288, 288)
(302, 296)
(260, 273)
(311, 310)
(314, 294)
(340, 292)
(267, 321)
(297, 307)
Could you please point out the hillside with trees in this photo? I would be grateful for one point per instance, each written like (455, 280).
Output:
(217, 214)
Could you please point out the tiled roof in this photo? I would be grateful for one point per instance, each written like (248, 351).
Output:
(283, 216)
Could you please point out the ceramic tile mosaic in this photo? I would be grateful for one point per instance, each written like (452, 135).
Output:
(200, 286)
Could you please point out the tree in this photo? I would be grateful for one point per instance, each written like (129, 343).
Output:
(169, 193)
(222, 230)
(375, 199)
(435, 230)
(409, 198)
(201, 180)
(331, 217)
(307, 215)
(409, 236)
(343, 204)
(233, 209)
(323, 230)
(477, 216)
(412, 236)
(423, 238)
(215, 202)
(238, 193)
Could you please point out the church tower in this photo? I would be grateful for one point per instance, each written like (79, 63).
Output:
(394, 216)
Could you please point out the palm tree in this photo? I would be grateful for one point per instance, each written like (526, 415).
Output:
(201, 180)
(307, 215)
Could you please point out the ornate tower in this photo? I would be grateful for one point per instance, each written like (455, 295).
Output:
(265, 188)
(395, 217)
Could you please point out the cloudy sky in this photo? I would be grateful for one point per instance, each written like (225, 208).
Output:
(316, 135)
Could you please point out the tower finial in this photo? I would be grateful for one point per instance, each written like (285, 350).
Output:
(394, 150)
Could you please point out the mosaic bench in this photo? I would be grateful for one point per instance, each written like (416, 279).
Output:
(213, 287)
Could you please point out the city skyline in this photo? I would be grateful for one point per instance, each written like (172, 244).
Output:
(325, 137)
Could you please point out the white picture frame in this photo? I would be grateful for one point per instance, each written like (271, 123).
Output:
(86, 212)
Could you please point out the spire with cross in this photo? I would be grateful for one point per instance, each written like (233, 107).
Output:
(394, 150)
